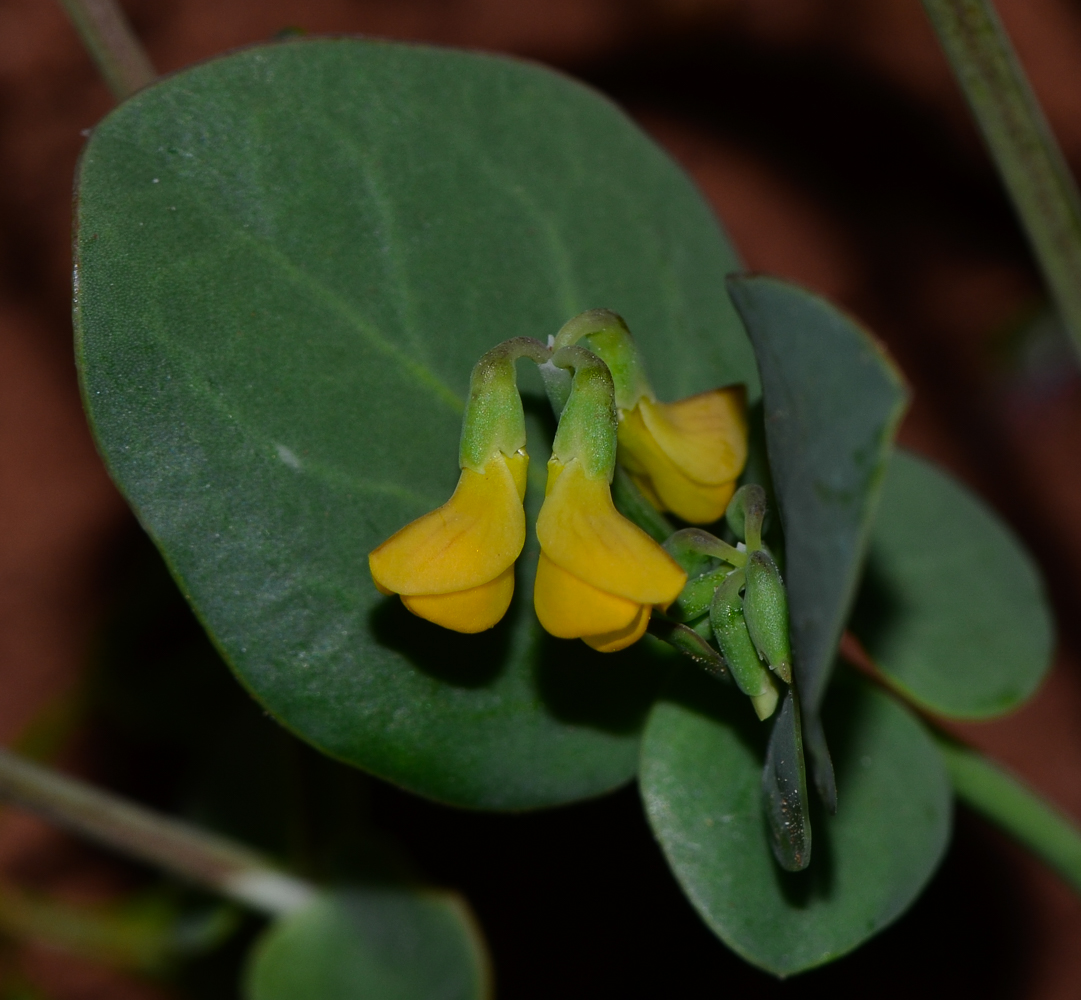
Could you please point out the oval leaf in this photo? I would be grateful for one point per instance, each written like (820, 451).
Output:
(394, 944)
(701, 783)
(832, 401)
(952, 607)
(288, 261)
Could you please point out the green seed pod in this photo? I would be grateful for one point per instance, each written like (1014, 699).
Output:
(765, 609)
(730, 630)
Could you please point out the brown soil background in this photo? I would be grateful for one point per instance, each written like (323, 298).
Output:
(834, 144)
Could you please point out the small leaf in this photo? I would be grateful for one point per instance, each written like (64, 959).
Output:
(289, 260)
(952, 607)
(701, 783)
(394, 944)
(784, 784)
(833, 401)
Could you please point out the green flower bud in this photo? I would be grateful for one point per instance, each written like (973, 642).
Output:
(746, 512)
(493, 420)
(730, 630)
(707, 561)
(697, 595)
(698, 552)
(765, 609)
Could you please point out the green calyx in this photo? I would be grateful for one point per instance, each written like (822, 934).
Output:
(493, 420)
(587, 425)
(606, 334)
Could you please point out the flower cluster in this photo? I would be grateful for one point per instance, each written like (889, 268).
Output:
(600, 577)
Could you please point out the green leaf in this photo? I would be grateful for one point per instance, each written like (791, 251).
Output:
(394, 944)
(952, 607)
(832, 403)
(784, 788)
(701, 781)
(288, 261)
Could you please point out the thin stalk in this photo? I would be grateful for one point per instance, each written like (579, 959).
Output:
(1021, 142)
(112, 44)
(1007, 801)
(221, 865)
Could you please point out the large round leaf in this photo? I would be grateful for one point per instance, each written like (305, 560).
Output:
(288, 261)
(702, 785)
(952, 607)
(362, 944)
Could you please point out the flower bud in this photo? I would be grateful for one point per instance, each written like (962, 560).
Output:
(746, 514)
(765, 609)
(730, 631)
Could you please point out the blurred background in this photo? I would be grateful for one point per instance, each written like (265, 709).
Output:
(834, 144)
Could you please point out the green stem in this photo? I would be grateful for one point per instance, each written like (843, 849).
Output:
(1021, 142)
(1004, 799)
(219, 864)
(112, 44)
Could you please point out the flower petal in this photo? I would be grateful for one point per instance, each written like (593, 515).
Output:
(695, 503)
(581, 531)
(613, 642)
(570, 608)
(471, 610)
(705, 436)
(642, 456)
(468, 541)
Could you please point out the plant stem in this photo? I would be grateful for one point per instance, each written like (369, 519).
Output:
(1007, 801)
(1021, 143)
(112, 44)
(219, 864)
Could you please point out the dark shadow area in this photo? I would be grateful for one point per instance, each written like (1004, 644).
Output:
(579, 903)
(467, 661)
(876, 607)
(609, 691)
(876, 156)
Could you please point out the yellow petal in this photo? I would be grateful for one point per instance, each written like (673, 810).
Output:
(471, 610)
(580, 530)
(468, 541)
(695, 503)
(659, 477)
(705, 436)
(518, 463)
(570, 608)
(613, 642)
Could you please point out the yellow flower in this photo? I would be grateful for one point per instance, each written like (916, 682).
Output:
(599, 576)
(686, 456)
(455, 565)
